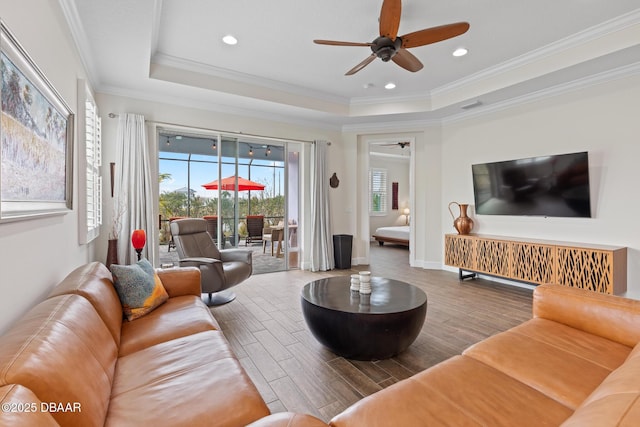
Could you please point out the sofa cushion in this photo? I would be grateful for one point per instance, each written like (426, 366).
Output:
(608, 316)
(615, 402)
(93, 281)
(24, 408)
(179, 281)
(62, 351)
(190, 381)
(457, 392)
(561, 362)
(288, 419)
(178, 317)
(139, 288)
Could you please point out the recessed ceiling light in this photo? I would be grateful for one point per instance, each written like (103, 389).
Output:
(390, 85)
(460, 52)
(229, 39)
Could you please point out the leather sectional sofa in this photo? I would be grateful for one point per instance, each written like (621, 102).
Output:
(575, 363)
(73, 361)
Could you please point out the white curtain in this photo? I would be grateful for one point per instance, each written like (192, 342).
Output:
(133, 186)
(321, 239)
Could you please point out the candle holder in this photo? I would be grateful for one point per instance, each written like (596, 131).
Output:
(365, 282)
(355, 282)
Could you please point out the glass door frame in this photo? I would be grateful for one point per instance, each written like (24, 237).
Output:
(221, 138)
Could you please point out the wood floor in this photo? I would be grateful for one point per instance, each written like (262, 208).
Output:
(293, 372)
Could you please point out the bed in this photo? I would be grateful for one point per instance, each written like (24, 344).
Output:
(398, 235)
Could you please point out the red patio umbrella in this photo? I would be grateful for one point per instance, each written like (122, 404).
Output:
(229, 184)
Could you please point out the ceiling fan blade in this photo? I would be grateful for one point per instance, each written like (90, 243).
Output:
(407, 60)
(434, 34)
(338, 43)
(361, 65)
(390, 18)
(393, 144)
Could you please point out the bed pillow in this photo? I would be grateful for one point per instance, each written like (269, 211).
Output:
(139, 288)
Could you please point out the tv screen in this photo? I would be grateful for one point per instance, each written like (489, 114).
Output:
(555, 186)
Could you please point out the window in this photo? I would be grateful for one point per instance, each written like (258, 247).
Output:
(90, 160)
(378, 191)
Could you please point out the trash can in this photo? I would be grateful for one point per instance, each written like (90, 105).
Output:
(342, 250)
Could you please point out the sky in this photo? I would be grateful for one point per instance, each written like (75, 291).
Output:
(204, 172)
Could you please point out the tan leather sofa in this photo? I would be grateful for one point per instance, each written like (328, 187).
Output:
(575, 363)
(72, 361)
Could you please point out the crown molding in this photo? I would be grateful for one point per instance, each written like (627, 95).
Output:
(390, 125)
(582, 83)
(578, 84)
(244, 78)
(155, 26)
(376, 100)
(394, 126)
(217, 108)
(570, 42)
(80, 39)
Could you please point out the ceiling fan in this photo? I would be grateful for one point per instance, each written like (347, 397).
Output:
(390, 46)
(401, 144)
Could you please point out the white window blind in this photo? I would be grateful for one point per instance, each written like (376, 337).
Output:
(91, 190)
(378, 191)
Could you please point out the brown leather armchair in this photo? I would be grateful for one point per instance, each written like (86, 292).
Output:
(220, 269)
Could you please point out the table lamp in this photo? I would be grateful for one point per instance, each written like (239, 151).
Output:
(406, 213)
(138, 240)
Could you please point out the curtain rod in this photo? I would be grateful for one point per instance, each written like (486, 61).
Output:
(113, 115)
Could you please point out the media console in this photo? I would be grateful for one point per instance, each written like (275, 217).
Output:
(598, 268)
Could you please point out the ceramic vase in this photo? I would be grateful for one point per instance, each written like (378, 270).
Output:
(463, 224)
(112, 253)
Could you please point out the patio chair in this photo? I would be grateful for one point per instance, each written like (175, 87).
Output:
(171, 242)
(271, 235)
(220, 269)
(212, 226)
(255, 225)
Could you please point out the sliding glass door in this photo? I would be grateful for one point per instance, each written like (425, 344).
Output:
(245, 188)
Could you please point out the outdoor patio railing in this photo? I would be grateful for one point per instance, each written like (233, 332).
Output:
(227, 226)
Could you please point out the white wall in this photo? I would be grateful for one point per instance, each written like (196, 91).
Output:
(602, 120)
(428, 183)
(36, 254)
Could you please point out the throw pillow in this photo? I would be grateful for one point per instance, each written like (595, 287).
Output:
(139, 288)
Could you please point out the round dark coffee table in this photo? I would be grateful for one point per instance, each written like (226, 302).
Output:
(364, 327)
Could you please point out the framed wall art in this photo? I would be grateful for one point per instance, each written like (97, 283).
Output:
(36, 131)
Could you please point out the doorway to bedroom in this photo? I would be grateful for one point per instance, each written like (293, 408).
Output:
(389, 198)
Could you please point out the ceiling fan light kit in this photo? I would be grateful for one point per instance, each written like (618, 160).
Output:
(391, 47)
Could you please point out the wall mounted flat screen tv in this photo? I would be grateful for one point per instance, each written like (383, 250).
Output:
(556, 186)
